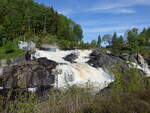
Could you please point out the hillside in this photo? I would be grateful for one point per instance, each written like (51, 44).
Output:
(26, 19)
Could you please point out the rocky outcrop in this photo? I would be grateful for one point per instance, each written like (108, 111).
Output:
(31, 74)
(71, 57)
(13, 61)
(38, 73)
(100, 58)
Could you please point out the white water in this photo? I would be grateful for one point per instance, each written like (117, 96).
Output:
(79, 73)
(59, 55)
(32, 90)
(142, 65)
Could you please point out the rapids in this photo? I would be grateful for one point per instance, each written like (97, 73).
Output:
(141, 65)
(79, 73)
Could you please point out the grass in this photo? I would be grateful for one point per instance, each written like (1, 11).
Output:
(130, 93)
(10, 51)
(82, 100)
(85, 102)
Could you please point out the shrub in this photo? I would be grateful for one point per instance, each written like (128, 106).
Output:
(80, 100)
(22, 103)
(9, 48)
(130, 93)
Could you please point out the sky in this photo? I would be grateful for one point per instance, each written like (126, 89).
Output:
(104, 16)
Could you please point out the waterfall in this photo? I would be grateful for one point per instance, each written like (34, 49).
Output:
(79, 73)
(144, 66)
(141, 65)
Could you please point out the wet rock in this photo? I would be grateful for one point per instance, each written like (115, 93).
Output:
(71, 57)
(134, 58)
(13, 61)
(28, 54)
(99, 58)
(35, 73)
(125, 56)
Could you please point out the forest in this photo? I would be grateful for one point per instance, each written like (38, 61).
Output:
(25, 19)
(134, 41)
(30, 21)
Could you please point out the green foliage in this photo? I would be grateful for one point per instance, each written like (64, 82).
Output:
(10, 51)
(99, 41)
(9, 48)
(133, 40)
(27, 18)
(136, 81)
(124, 96)
(137, 42)
(93, 43)
(117, 44)
(22, 102)
(2, 103)
(128, 81)
(82, 100)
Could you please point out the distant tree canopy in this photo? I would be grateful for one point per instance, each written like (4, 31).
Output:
(107, 38)
(20, 17)
(135, 42)
(117, 44)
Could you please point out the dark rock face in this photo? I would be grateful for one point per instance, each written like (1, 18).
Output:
(71, 57)
(28, 54)
(13, 61)
(99, 58)
(31, 74)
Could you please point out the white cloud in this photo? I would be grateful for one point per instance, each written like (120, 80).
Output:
(113, 28)
(125, 11)
(123, 5)
(102, 7)
(105, 29)
(118, 22)
(119, 11)
(66, 11)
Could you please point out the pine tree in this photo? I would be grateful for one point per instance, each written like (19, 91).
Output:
(99, 41)
(117, 43)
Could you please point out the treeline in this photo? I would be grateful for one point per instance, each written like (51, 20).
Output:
(25, 18)
(134, 41)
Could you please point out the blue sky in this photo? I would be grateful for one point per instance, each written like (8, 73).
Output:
(104, 16)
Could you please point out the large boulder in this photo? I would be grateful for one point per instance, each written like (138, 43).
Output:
(31, 74)
(125, 56)
(100, 58)
(71, 57)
